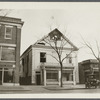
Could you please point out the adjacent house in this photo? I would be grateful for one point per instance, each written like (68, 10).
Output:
(39, 66)
(88, 67)
(10, 34)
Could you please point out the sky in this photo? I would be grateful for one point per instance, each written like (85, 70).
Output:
(72, 19)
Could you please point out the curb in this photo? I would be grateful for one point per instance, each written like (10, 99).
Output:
(13, 90)
(64, 88)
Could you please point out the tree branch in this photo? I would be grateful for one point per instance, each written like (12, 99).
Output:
(67, 55)
(90, 47)
(53, 57)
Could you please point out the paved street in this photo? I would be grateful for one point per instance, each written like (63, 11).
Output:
(42, 89)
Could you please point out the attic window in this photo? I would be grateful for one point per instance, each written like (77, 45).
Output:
(41, 43)
(55, 36)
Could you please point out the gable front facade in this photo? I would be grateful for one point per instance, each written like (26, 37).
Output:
(40, 65)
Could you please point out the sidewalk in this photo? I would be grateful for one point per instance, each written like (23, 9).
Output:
(14, 88)
(67, 87)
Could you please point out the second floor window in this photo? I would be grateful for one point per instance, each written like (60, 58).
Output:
(8, 54)
(8, 32)
(69, 59)
(42, 57)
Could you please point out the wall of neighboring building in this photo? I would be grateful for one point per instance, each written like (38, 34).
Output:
(81, 74)
(88, 67)
(26, 67)
(10, 46)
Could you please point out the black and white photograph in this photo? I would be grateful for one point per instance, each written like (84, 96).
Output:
(50, 48)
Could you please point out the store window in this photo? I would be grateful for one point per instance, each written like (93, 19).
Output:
(8, 75)
(8, 32)
(42, 57)
(52, 75)
(67, 75)
(8, 54)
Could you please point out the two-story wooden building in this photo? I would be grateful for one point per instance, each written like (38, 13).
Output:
(39, 66)
(10, 35)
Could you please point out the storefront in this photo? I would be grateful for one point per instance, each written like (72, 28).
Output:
(7, 76)
(52, 75)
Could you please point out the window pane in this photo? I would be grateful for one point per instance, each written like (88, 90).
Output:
(8, 76)
(43, 60)
(8, 53)
(52, 75)
(8, 30)
(70, 60)
(67, 75)
(8, 36)
(42, 57)
(8, 33)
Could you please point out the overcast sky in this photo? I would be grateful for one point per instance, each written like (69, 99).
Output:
(73, 19)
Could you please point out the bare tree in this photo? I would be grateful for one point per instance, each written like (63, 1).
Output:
(93, 52)
(58, 43)
(5, 12)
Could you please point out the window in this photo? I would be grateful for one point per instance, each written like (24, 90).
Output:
(55, 36)
(8, 32)
(69, 58)
(67, 75)
(52, 75)
(8, 75)
(42, 57)
(23, 64)
(8, 53)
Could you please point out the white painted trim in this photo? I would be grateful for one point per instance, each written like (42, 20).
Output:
(10, 45)
(19, 27)
(13, 24)
(2, 75)
(8, 26)
(10, 84)
(7, 61)
(59, 76)
(44, 77)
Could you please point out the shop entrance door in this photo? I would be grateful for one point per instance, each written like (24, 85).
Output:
(38, 79)
(0, 77)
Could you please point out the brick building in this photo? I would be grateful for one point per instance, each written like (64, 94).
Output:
(10, 35)
(88, 67)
